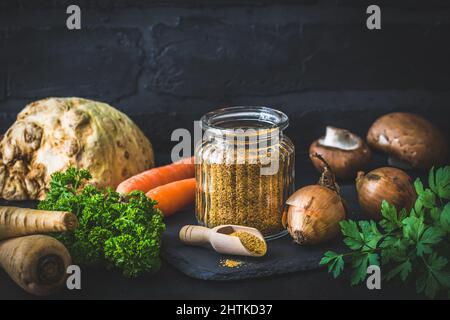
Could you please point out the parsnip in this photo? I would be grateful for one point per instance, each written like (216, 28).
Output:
(37, 263)
(16, 222)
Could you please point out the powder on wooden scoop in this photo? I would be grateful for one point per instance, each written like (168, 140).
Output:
(251, 242)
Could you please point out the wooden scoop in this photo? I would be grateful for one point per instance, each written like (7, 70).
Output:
(219, 238)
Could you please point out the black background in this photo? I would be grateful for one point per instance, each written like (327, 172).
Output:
(165, 63)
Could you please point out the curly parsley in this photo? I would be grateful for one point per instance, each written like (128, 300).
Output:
(113, 232)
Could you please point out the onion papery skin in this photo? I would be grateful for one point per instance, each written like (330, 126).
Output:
(390, 184)
(314, 214)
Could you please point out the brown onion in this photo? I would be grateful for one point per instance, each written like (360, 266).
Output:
(315, 211)
(390, 184)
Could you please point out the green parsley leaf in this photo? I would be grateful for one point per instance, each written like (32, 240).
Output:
(390, 221)
(403, 269)
(426, 197)
(429, 237)
(353, 239)
(442, 183)
(445, 218)
(413, 228)
(434, 277)
(360, 262)
(335, 263)
(370, 234)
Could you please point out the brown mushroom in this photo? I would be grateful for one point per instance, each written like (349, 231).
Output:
(345, 152)
(408, 139)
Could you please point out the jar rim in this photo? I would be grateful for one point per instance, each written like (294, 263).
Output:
(267, 118)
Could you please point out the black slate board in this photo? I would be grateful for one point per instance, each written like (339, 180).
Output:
(283, 256)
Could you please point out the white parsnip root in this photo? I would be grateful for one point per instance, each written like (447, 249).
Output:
(37, 263)
(15, 222)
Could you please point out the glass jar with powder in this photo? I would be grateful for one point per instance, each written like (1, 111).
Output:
(244, 169)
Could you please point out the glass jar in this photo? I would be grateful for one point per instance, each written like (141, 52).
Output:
(244, 169)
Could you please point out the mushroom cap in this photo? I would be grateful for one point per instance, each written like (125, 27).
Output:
(410, 138)
(344, 163)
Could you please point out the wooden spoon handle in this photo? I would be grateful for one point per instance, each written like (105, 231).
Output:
(194, 235)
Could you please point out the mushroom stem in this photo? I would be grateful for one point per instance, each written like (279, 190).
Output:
(340, 138)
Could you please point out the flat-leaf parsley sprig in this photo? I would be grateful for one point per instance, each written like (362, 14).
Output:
(412, 246)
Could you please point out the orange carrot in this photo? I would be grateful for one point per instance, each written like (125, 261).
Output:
(173, 196)
(156, 177)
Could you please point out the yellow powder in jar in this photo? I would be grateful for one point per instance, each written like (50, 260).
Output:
(251, 242)
(239, 194)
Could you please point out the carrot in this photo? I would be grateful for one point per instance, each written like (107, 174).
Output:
(156, 177)
(16, 222)
(37, 263)
(173, 196)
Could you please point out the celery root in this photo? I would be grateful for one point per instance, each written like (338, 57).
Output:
(15, 222)
(37, 263)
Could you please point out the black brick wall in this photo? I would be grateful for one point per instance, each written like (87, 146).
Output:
(93, 62)
(119, 4)
(167, 62)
